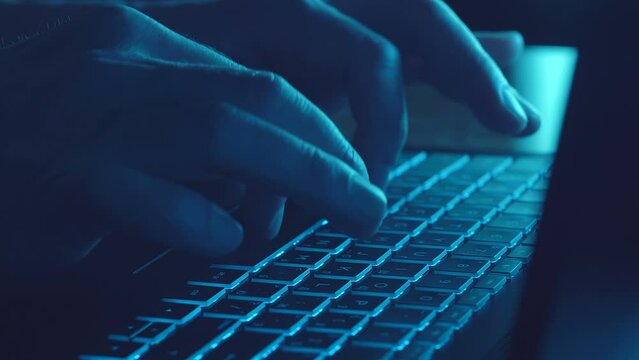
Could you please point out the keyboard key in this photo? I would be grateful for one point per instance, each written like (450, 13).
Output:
(418, 255)
(494, 235)
(299, 304)
(269, 322)
(245, 345)
(343, 270)
(350, 352)
(450, 188)
(464, 267)
(329, 230)
(360, 304)
(455, 226)
(425, 300)
(430, 199)
(383, 337)
(195, 295)
(491, 282)
(455, 316)
(415, 351)
(226, 278)
(492, 164)
(516, 222)
(331, 244)
(402, 226)
(404, 318)
(490, 200)
(173, 313)
(423, 213)
(288, 275)
(470, 212)
(111, 349)
(435, 334)
(244, 310)
(404, 271)
(126, 331)
(447, 283)
(522, 252)
(530, 239)
(523, 208)
(525, 178)
(508, 266)
(493, 187)
(314, 342)
(474, 298)
(258, 291)
(331, 288)
(155, 333)
(402, 190)
(436, 240)
(533, 196)
(371, 286)
(197, 338)
(469, 176)
(474, 250)
(300, 258)
(337, 323)
(440, 163)
(384, 240)
(364, 255)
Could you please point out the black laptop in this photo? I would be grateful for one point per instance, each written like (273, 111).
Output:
(450, 274)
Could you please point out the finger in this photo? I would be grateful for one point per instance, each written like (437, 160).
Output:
(534, 118)
(504, 47)
(261, 214)
(290, 167)
(453, 59)
(367, 66)
(132, 202)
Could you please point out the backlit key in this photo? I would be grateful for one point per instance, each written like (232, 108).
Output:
(402, 226)
(454, 226)
(258, 291)
(314, 342)
(425, 213)
(226, 278)
(155, 333)
(359, 304)
(492, 282)
(404, 271)
(470, 212)
(299, 304)
(195, 295)
(331, 288)
(337, 323)
(440, 282)
(418, 255)
(508, 266)
(372, 286)
(474, 298)
(343, 270)
(331, 244)
(425, 300)
(506, 237)
(301, 258)
(435, 334)
(171, 313)
(436, 240)
(522, 252)
(404, 318)
(364, 255)
(474, 250)
(269, 322)
(244, 310)
(384, 240)
(455, 316)
(288, 275)
(383, 337)
(516, 222)
(464, 267)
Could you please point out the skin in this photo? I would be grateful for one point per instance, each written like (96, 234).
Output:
(142, 131)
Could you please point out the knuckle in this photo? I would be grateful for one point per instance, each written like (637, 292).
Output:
(382, 51)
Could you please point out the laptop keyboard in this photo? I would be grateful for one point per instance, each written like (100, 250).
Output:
(459, 227)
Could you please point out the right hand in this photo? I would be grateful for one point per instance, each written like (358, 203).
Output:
(109, 120)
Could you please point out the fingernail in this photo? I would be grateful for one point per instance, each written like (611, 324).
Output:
(510, 102)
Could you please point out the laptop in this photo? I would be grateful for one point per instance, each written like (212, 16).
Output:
(449, 275)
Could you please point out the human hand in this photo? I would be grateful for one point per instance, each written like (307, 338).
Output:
(108, 121)
(362, 52)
